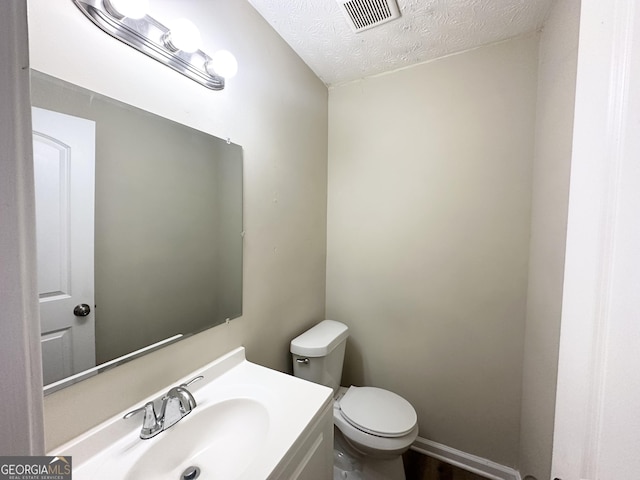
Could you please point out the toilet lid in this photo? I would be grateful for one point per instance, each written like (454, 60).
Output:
(378, 412)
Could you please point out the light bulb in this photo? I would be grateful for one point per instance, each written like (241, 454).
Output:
(127, 8)
(223, 63)
(183, 35)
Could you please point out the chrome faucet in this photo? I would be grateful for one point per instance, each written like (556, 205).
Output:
(176, 404)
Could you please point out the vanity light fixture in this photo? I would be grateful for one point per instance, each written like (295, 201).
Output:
(127, 8)
(176, 45)
(182, 35)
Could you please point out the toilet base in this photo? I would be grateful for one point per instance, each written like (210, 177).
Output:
(351, 465)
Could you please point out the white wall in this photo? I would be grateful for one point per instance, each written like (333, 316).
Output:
(558, 55)
(20, 369)
(428, 236)
(277, 110)
(597, 426)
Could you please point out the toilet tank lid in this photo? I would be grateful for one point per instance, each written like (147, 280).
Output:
(320, 340)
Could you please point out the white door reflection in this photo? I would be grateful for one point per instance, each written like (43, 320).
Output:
(64, 164)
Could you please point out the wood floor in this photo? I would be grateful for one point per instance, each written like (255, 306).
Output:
(422, 467)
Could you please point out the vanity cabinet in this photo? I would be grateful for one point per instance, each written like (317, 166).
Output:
(311, 458)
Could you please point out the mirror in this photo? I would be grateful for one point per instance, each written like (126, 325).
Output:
(146, 209)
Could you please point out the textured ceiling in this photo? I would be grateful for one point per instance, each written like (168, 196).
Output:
(427, 29)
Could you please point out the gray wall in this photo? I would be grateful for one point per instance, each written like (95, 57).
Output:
(551, 169)
(277, 110)
(428, 237)
(229, 196)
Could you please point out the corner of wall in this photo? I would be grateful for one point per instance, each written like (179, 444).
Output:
(558, 47)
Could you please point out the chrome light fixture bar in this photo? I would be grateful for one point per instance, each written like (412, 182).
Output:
(153, 39)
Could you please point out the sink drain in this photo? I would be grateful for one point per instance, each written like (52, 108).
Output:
(190, 473)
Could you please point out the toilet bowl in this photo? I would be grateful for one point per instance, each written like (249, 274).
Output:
(374, 421)
(377, 425)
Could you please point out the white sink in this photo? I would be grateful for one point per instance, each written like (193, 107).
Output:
(221, 440)
(247, 421)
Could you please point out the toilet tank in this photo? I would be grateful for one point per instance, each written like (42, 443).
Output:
(318, 353)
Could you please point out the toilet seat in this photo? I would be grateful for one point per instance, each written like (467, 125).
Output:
(383, 444)
(378, 412)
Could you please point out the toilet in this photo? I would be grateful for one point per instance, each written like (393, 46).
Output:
(374, 427)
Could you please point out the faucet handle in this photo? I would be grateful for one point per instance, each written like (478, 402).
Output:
(193, 380)
(151, 425)
(144, 408)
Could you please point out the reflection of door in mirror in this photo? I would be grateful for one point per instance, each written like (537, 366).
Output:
(64, 164)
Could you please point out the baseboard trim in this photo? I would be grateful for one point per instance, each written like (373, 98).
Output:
(466, 461)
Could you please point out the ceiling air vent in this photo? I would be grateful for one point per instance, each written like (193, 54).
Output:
(364, 14)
